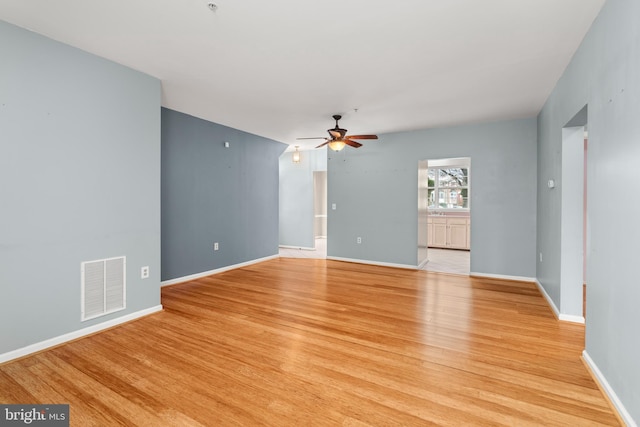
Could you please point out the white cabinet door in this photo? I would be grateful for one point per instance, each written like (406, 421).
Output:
(440, 232)
(457, 234)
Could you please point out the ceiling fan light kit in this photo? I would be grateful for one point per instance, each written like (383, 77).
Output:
(295, 157)
(337, 144)
(338, 137)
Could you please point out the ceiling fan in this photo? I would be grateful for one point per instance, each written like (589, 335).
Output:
(339, 139)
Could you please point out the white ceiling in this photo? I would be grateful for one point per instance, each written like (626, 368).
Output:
(281, 68)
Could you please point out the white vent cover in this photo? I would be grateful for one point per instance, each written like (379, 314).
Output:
(103, 287)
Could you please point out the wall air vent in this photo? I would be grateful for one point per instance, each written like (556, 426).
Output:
(103, 287)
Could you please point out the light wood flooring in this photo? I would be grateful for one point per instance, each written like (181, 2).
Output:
(311, 342)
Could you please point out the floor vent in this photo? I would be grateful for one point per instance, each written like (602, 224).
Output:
(103, 287)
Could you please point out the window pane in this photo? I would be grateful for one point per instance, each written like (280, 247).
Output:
(431, 196)
(431, 176)
(453, 177)
(463, 177)
(442, 199)
(465, 197)
(444, 178)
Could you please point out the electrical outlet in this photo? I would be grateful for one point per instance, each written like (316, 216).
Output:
(144, 272)
(216, 246)
(359, 240)
(540, 256)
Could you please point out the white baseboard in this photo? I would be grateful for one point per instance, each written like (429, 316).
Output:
(382, 264)
(546, 296)
(216, 271)
(604, 384)
(560, 316)
(571, 318)
(504, 277)
(302, 248)
(43, 345)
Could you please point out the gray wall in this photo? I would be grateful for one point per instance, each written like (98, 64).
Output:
(215, 194)
(604, 74)
(79, 181)
(296, 197)
(375, 189)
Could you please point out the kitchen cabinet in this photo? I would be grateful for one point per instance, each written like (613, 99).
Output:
(448, 232)
(439, 227)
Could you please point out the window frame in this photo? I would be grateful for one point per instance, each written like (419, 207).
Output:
(437, 188)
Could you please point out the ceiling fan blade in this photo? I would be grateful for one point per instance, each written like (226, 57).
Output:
(362, 136)
(351, 143)
(323, 144)
(315, 137)
(334, 133)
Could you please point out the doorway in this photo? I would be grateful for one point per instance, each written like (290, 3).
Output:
(303, 205)
(320, 211)
(574, 219)
(444, 215)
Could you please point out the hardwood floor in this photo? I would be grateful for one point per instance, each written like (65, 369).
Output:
(306, 342)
